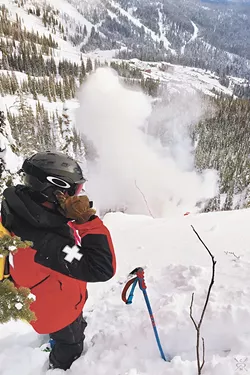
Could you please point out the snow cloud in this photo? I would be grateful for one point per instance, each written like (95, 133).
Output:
(143, 151)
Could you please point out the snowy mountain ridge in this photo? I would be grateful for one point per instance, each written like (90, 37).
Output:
(177, 79)
(155, 30)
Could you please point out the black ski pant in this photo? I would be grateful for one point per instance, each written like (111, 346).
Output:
(68, 344)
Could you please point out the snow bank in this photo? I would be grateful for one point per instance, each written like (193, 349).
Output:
(131, 163)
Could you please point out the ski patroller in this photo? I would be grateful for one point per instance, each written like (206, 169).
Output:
(140, 280)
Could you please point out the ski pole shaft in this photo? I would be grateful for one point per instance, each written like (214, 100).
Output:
(143, 287)
(151, 315)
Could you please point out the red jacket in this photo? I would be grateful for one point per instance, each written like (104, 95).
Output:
(55, 269)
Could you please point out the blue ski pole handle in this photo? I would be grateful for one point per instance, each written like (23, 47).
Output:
(132, 282)
(131, 294)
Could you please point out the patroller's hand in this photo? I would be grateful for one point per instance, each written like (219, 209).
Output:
(77, 208)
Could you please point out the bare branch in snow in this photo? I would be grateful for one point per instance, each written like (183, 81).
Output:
(232, 253)
(198, 325)
(145, 200)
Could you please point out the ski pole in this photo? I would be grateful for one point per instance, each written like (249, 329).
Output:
(139, 272)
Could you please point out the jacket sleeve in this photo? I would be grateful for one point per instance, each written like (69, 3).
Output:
(93, 261)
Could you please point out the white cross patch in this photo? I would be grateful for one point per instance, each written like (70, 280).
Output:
(72, 253)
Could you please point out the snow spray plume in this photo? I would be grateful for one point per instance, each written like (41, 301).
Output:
(113, 117)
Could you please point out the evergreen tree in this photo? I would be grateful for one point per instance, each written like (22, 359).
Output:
(14, 83)
(61, 92)
(85, 32)
(14, 302)
(81, 79)
(78, 145)
(2, 145)
(23, 127)
(7, 146)
(89, 66)
(67, 133)
(66, 88)
(38, 11)
(44, 134)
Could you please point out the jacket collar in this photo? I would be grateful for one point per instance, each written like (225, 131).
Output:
(21, 204)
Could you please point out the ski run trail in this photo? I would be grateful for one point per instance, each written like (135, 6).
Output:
(193, 37)
(119, 337)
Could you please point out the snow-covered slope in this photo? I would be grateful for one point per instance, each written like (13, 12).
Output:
(176, 78)
(120, 338)
(182, 79)
(156, 29)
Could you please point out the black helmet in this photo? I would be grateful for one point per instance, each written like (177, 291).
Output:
(47, 172)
